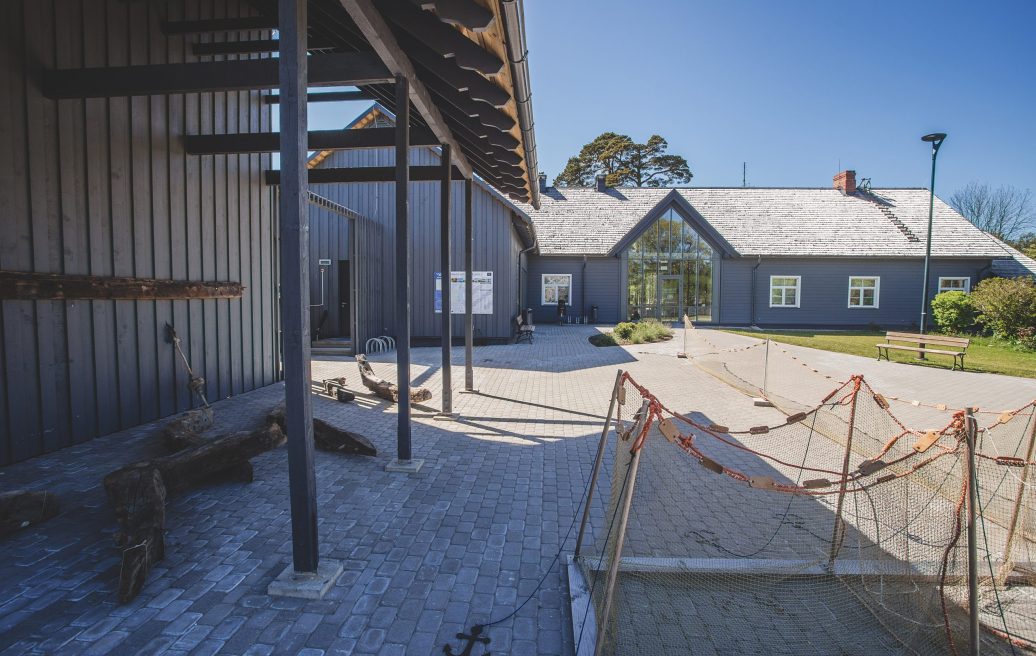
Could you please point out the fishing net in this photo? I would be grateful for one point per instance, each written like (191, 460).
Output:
(837, 531)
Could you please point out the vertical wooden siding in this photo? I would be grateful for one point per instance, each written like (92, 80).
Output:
(496, 243)
(103, 187)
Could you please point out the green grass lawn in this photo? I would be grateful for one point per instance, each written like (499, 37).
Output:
(985, 354)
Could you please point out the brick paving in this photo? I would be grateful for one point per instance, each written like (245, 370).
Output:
(426, 555)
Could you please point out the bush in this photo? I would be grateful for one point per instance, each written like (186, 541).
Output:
(954, 312)
(1027, 338)
(1007, 306)
(650, 331)
(625, 330)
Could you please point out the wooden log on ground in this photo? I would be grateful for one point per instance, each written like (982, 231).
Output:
(185, 430)
(330, 438)
(22, 508)
(383, 388)
(138, 494)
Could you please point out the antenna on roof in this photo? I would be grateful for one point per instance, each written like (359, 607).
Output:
(744, 174)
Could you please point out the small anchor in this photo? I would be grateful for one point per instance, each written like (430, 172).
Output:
(473, 639)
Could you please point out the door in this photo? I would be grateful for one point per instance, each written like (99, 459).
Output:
(670, 298)
(345, 324)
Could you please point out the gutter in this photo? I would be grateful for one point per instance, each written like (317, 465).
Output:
(517, 51)
(519, 276)
(754, 286)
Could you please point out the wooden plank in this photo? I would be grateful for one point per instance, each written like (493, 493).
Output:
(584, 619)
(219, 25)
(250, 47)
(338, 69)
(323, 96)
(20, 285)
(363, 174)
(377, 32)
(269, 142)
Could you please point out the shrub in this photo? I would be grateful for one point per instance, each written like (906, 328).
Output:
(1006, 306)
(1027, 338)
(954, 312)
(625, 330)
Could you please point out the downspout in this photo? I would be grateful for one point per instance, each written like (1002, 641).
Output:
(518, 299)
(582, 289)
(754, 287)
(517, 52)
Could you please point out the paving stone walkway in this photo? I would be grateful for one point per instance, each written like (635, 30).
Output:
(426, 555)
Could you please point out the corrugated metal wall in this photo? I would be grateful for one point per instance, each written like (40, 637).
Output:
(103, 187)
(825, 290)
(496, 242)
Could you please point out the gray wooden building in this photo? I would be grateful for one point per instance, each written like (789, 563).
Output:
(835, 256)
(503, 232)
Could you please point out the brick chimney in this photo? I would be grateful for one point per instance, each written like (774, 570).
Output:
(602, 183)
(846, 182)
(543, 182)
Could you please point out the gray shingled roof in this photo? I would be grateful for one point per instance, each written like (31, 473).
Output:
(1015, 264)
(769, 222)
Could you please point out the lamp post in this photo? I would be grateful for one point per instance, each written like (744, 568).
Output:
(936, 139)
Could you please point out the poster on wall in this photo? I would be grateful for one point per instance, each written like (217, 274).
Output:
(481, 292)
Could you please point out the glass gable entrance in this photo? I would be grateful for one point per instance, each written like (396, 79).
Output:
(669, 272)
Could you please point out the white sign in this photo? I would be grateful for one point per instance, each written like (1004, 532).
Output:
(481, 292)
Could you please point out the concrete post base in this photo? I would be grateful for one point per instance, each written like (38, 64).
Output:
(306, 585)
(405, 466)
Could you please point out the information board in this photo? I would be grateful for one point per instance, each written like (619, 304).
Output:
(481, 292)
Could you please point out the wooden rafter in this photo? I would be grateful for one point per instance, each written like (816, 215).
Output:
(346, 69)
(268, 142)
(374, 28)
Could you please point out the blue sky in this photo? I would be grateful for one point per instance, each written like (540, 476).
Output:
(794, 88)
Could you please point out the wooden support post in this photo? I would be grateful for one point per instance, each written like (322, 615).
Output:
(838, 533)
(597, 462)
(404, 451)
(444, 261)
(469, 323)
(294, 270)
(1023, 485)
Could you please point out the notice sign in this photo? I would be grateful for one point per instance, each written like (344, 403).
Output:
(481, 292)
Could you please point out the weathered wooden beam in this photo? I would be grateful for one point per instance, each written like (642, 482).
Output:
(330, 438)
(337, 69)
(268, 142)
(24, 286)
(363, 174)
(378, 34)
(461, 79)
(219, 25)
(441, 38)
(249, 47)
(322, 96)
(22, 508)
(464, 13)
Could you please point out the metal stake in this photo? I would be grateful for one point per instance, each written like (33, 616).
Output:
(598, 461)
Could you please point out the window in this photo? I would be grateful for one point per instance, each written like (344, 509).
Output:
(784, 291)
(555, 286)
(863, 291)
(954, 285)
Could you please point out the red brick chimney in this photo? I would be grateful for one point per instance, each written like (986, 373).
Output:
(846, 182)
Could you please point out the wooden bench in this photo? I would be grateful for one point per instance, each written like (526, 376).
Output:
(524, 331)
(923, 344)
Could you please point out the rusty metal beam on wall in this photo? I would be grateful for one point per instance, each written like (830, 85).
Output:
(27, 286)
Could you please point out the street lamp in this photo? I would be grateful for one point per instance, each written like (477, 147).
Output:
(936, 139)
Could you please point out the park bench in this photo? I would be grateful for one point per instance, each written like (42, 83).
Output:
(524, 331)
(922, 344)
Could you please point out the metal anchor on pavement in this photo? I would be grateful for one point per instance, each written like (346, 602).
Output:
(473, 639)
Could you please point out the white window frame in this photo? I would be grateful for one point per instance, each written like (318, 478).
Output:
(876, 288)
(966, 289)
(798, 292)
(543, 288)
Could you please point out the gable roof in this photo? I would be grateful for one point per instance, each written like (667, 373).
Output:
(1016, 263)
(816, 222)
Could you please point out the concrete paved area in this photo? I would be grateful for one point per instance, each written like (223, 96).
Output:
(426, 555)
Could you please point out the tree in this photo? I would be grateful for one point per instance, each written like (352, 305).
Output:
(1026, 243)
(624, 162)
(1003, 212)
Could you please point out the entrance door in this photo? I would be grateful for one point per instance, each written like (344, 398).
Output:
(670, 298)
(344, 289)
